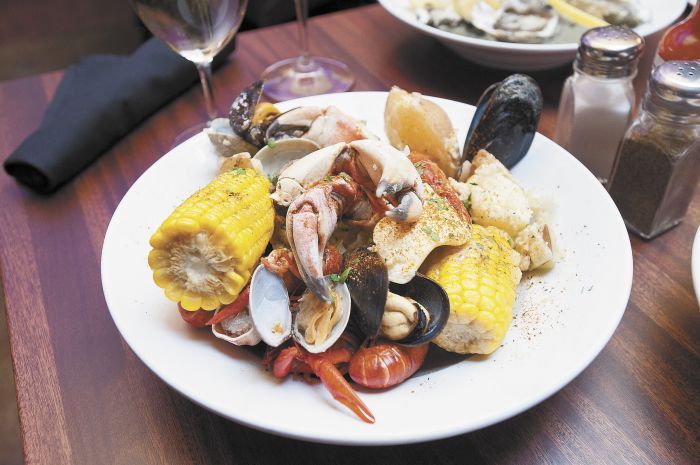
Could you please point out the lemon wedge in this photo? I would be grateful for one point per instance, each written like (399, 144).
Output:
(576, 15)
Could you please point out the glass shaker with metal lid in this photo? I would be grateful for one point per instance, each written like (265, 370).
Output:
(658, 163)
(598, 99)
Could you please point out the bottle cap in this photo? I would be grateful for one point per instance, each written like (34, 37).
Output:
(610, 51)
(675, 86)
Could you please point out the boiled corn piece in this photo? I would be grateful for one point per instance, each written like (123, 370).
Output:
(204, 252)
(479, 278)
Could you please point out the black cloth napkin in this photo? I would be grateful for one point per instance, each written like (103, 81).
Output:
(98, 101)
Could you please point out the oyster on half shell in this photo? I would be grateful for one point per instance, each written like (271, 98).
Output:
(527, 21)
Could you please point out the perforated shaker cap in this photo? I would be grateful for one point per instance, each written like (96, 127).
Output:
(610, 51)
(675, 87)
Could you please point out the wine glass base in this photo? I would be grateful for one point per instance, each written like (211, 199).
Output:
(288, 79)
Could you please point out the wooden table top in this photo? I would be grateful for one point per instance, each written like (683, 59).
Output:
(85, 398)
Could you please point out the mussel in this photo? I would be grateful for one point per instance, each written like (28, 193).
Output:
(505, 120)
(368, 282)
(432, 305)
(242, 113)
(410, 314)
(315, 325)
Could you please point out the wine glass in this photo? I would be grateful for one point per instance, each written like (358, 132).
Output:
(197, 30)
(305, 75)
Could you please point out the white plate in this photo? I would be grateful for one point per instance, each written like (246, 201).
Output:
(695, 264)
(526, 57)
(563, 318)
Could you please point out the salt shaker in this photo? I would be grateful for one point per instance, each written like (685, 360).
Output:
(597, 101)
(658, 162)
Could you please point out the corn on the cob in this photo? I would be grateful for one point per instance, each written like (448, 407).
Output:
(479, 278)
(204, 252)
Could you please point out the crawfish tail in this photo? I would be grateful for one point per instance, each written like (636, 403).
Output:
(385, 364)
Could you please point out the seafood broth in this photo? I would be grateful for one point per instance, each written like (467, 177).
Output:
(567, 32)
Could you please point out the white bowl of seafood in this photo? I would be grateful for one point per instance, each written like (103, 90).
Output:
(370, 267)
(527, 35)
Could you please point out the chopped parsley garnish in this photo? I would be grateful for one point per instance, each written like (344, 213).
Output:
(273, 179)
(342, 277)
(419, 167)
(271, 142)
(238, 171)
(468, 203)
(439, 203)
(433, 235)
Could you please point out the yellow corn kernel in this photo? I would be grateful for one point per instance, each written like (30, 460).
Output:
(479, 279)
(204, 252)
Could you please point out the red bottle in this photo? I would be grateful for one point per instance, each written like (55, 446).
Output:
(682, 41)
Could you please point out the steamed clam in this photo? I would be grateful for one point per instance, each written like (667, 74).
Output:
(313, 324)
(276, 156)
(237, 329)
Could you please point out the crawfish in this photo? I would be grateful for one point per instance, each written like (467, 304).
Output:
(295, 359)
(385, 364)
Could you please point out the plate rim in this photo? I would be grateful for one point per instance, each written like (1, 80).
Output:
(565, 377)
(397, 11)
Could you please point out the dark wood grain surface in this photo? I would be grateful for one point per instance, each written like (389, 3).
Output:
(85, 398)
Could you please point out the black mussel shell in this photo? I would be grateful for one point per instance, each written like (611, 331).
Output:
(433, 298)
(241, 115)
(505, 120)
(368, 283)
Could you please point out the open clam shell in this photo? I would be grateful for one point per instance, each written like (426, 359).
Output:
(505, 120)
(237, 329)
(269, 307)
(433, 311)
(312, 319)
(276, 156)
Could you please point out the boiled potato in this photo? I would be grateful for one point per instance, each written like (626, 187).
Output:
(413, 121)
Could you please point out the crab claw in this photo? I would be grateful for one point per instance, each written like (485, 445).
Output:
(311, 220)
(295, 178)
(394, 175)
(410, 206)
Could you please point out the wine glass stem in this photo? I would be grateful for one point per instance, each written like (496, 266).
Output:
(302, 12)
(204, 70)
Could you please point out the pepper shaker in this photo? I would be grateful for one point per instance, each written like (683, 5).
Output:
(658, 163)
(597, 101)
